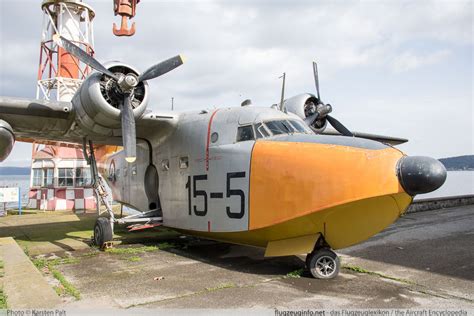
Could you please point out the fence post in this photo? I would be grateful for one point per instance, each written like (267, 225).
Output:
(19, 200)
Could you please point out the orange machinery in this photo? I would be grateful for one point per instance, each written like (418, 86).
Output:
(126, 9)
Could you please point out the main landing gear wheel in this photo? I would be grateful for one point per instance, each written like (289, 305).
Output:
(323, 263)
(102, 231)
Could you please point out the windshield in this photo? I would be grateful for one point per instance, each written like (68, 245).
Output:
(302, 128)
(270, 128)
(280, 127)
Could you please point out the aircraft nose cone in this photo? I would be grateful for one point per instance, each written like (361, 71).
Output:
(418, 174)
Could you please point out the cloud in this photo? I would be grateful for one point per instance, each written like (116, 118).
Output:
(238, 49)
(409, 60)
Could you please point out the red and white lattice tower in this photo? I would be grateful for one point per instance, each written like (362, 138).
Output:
(60, 177)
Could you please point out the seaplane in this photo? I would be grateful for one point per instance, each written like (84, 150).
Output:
(275, 177)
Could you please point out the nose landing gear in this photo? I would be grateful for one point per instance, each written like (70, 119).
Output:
(323, 263)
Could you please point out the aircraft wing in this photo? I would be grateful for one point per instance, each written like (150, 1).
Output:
(380, 138)
(43, 121)
(33, 120)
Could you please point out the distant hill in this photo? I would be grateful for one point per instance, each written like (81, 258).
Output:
(14, 171)
(458, 163)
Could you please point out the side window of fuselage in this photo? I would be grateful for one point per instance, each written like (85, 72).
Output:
(245, 133)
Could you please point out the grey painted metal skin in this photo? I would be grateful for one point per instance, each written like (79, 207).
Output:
(178, 145)
(189, 143)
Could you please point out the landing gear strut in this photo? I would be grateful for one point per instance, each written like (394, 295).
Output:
(104, 226)
(323, 263)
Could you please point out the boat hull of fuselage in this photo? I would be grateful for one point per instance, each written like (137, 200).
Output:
(342, 226)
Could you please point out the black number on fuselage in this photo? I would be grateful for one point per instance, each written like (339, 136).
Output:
(216, 195)
(202, 193)
(188, 186)
(237, 192)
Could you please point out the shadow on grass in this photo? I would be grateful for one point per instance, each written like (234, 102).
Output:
(46, 232)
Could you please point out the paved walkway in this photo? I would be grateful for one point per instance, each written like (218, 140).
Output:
(23, 284)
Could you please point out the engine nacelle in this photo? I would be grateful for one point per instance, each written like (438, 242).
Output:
(97, 103)
(302, 105)
(7, 140)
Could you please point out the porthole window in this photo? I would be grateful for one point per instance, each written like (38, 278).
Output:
(214, 137)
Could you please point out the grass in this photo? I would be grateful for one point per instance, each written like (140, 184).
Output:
(68, 287)
(166, 245)
(89, 254)
(220, 287)
(295, 274)
(26, 250)
(364, 271)
(131, 251)
(3, 300)
(3, 296)
(134, 259)
(65, 287)
(40, 263)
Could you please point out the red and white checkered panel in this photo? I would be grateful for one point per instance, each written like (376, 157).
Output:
(58, 199)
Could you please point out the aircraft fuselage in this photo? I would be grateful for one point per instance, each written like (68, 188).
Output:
(217, 181)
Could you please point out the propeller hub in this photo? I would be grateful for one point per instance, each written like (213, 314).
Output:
(131, 80)
(128, 82)
(323, 109)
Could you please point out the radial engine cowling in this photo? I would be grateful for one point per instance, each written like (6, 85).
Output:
(98, 101)
(303, 106)
(7, 140)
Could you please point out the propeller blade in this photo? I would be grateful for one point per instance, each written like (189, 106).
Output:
(311, 119)
(338, 126)
(316, 78)
(161, 68)
(80, 54)
(128, 130)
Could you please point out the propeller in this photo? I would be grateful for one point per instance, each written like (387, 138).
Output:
(127, 84)
(128, 129)
(322, 110)
(161, 68)
(80, 54)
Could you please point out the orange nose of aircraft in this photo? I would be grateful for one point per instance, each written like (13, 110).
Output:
(345, 188)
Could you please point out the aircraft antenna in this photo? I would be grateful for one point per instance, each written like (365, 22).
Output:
(282, 106)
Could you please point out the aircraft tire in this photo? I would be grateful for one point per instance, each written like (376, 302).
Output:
(323, 263)
(102, 231)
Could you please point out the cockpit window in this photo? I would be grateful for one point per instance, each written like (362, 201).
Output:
(299, 126)
(260, 131)
(280, 127)
(245, 133)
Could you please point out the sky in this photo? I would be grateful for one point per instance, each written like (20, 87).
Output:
(399, 68)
